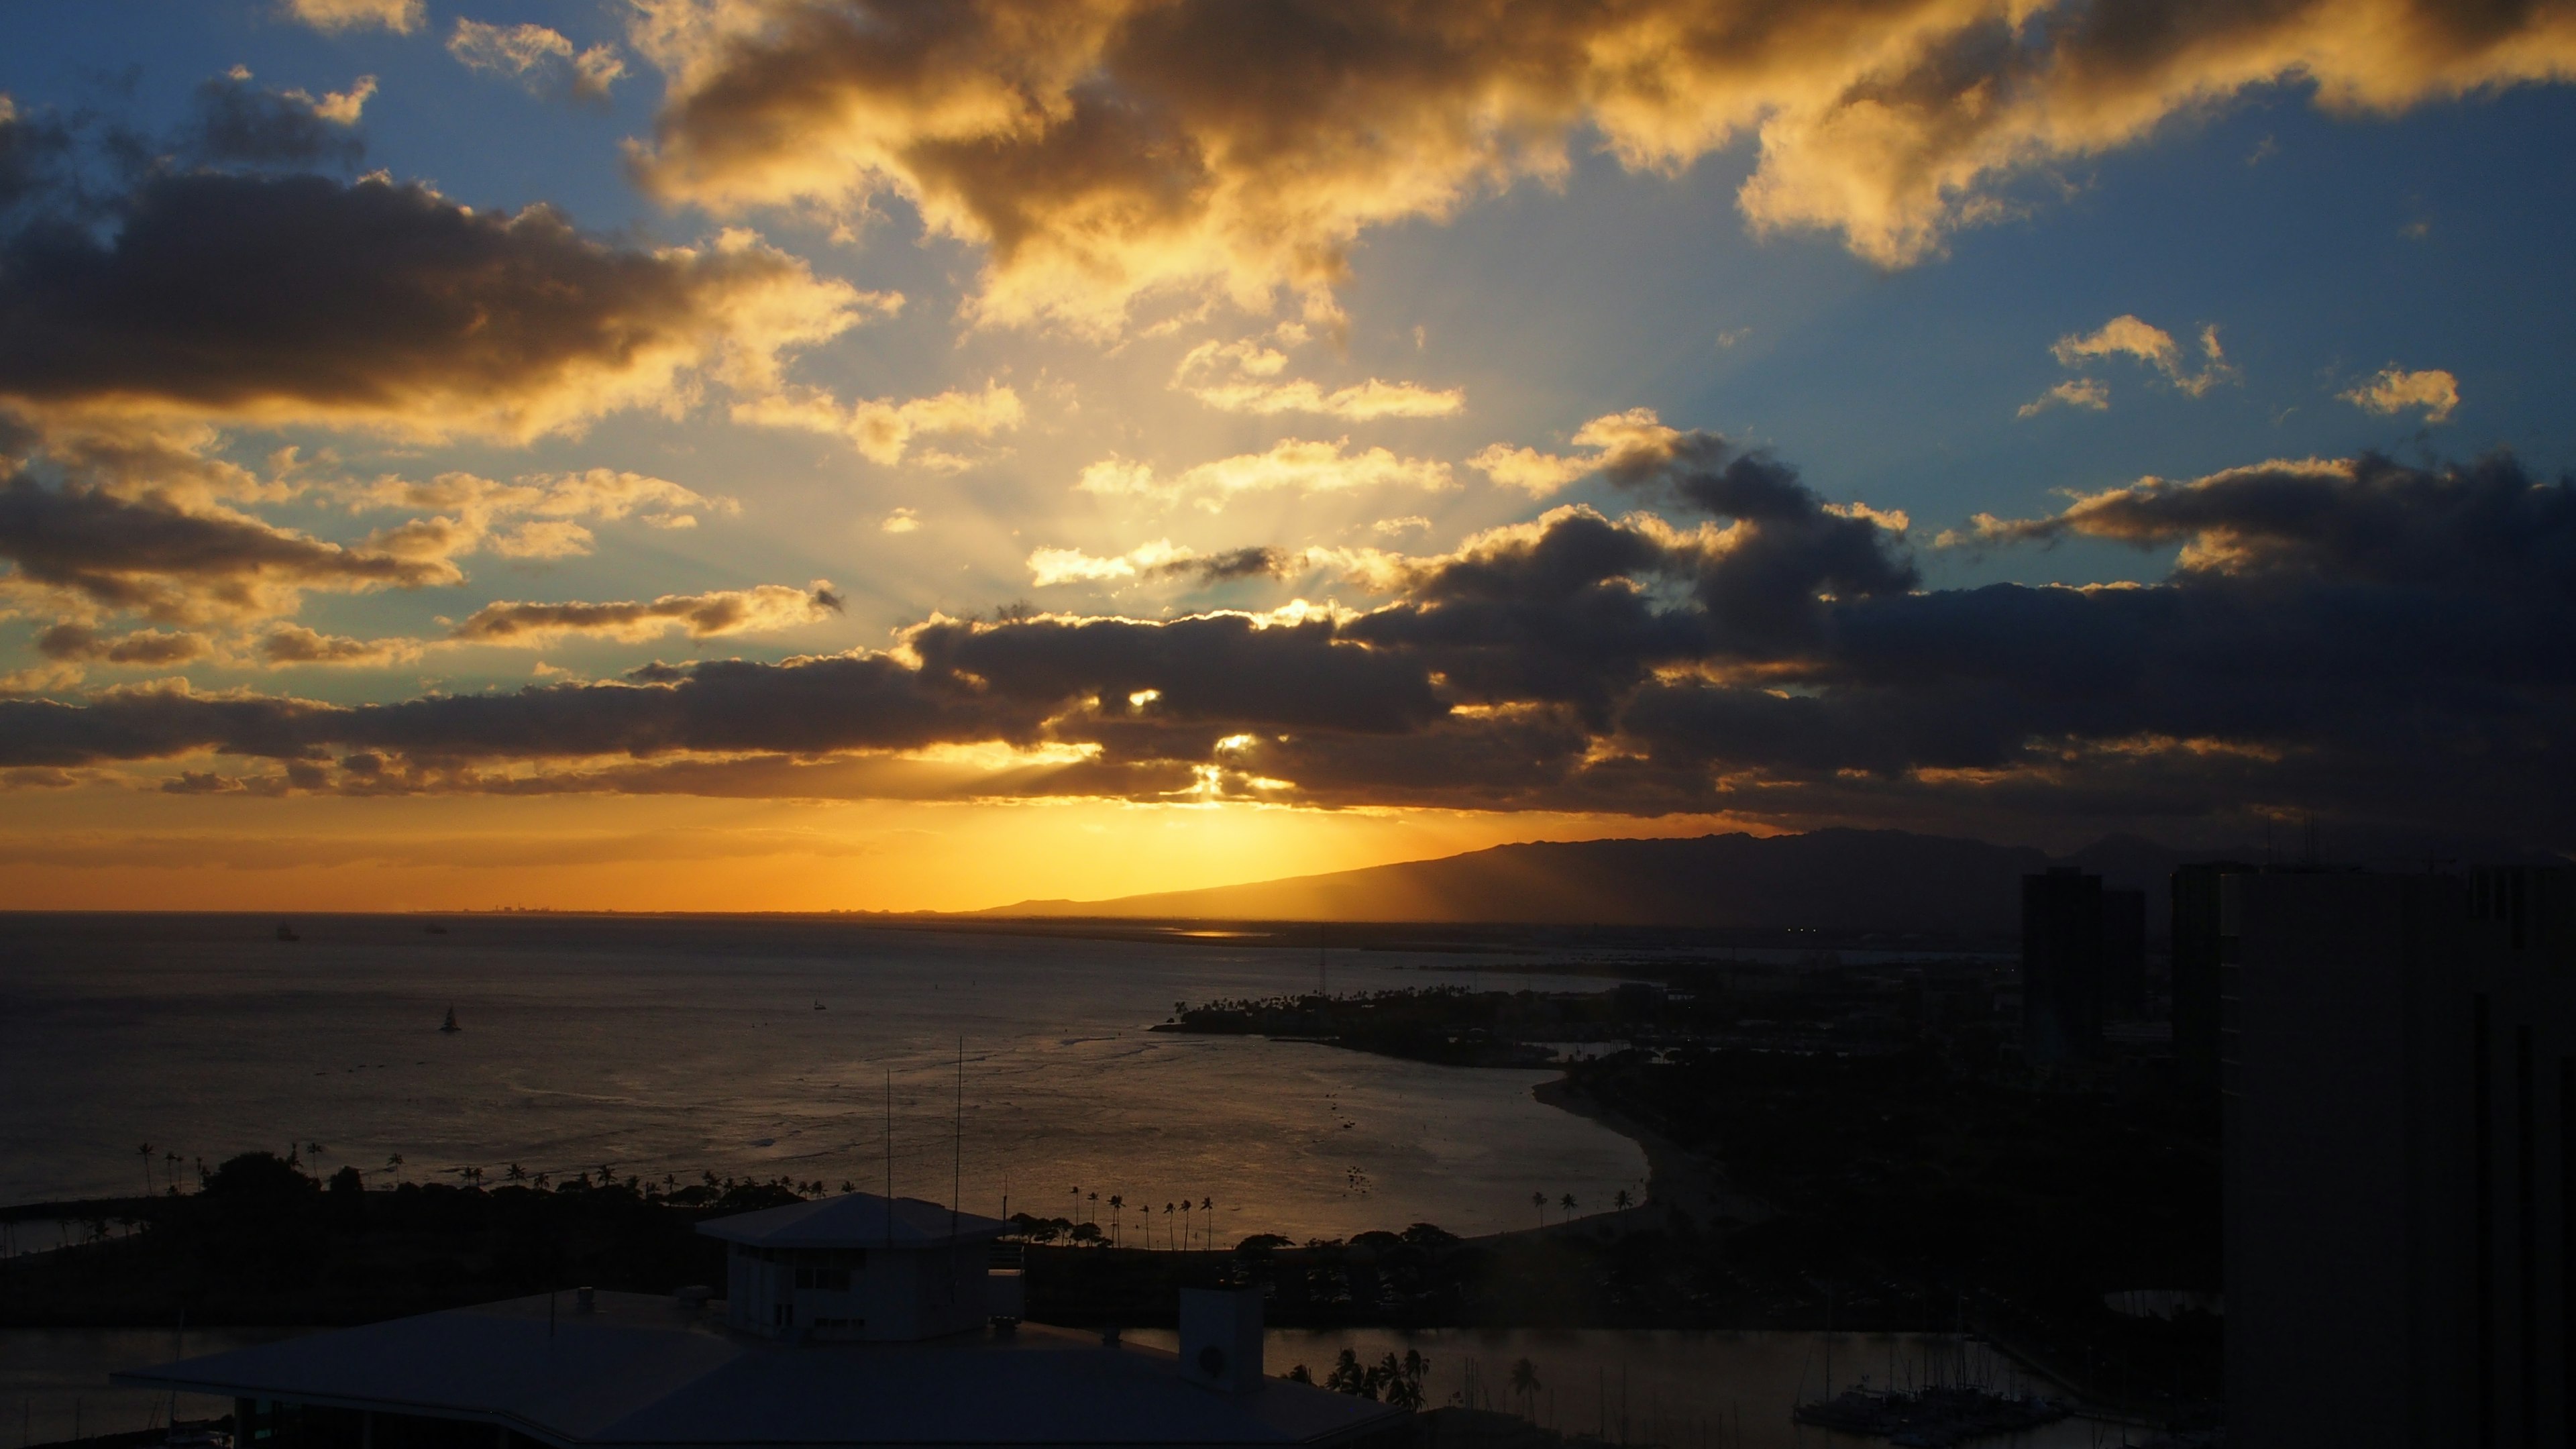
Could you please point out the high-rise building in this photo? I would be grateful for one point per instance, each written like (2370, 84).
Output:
(2061, 966)
(2398, 1055)
(2124, 955)
(2194, 931)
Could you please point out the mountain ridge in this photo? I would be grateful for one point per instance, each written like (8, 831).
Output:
(1845, 879)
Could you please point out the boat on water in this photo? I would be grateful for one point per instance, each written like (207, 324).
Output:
(450, 1023)
(286, 932)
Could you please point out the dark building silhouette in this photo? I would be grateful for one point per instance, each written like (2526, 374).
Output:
(2194, 935)
(2398, 1060)
(2061, 966)
(2124, 955)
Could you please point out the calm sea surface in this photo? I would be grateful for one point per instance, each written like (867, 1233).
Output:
(674, 1047)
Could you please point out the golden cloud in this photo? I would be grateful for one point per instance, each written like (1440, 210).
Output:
(1634, 438)
(766, 608)
(2394, 390)
(881, 430)
(2127, 336)
(334, 16)
(1243, 377)
(1292, 464)
(2076, 392)
(1108, 151)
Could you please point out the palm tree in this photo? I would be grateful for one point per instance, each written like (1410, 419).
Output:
(1116, 1201)
(1567, 1202)
(1525, 1384)
(515, 1173)
(393, 1164)
(170, 1171)
(1538, 1200)
(1207, 1225)
(1093, 1217)
(1621, 1200)
(1185, 1225)
(146, 1150)
(1167, 1222)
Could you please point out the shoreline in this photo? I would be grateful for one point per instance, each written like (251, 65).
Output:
(1676, 1177)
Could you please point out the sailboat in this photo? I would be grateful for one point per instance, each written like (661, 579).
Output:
(450, 1023)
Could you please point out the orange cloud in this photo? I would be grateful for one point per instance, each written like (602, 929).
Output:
(2394, 390)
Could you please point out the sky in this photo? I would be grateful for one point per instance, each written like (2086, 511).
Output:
(778, 454)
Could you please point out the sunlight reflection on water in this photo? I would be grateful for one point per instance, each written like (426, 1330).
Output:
(675, 1047)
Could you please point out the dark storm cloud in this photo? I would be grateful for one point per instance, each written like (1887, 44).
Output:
(32, 151)
(2484, 526)
(803, 706)
(80, 644)
(142, 555)
(282, 298)
(1555, 612)
(2365, 641)
(1216, 668)
(1240, 563)
(702, 616)
(1788, 552)
(236, 121)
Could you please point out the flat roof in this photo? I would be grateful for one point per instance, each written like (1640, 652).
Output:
(640, 1370)
(855, 1220)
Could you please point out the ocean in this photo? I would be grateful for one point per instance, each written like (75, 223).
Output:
(671, 1047)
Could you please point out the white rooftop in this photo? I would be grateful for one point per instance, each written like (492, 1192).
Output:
(642, 1371)
(854, 1220)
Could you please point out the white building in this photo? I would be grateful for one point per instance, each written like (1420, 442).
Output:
(849, 1322)
(859, 1266)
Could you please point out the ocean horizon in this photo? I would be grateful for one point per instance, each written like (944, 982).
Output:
(1010, 1068)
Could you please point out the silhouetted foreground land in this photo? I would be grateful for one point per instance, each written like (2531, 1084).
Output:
(1851, 1143)
(1859, 1135)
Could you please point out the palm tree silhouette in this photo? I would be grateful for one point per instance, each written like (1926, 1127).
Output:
(1620, 1199)
(1567, 1202)
(1093, 1217)
(515, 1173)
(1525, 1384)
(1185, 1225)
(1538, 1200)
(170, 1171)
(1167, 1222)
(1116, 1202)
(146, 1150)
(1207, 1225)
(393, 1164)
